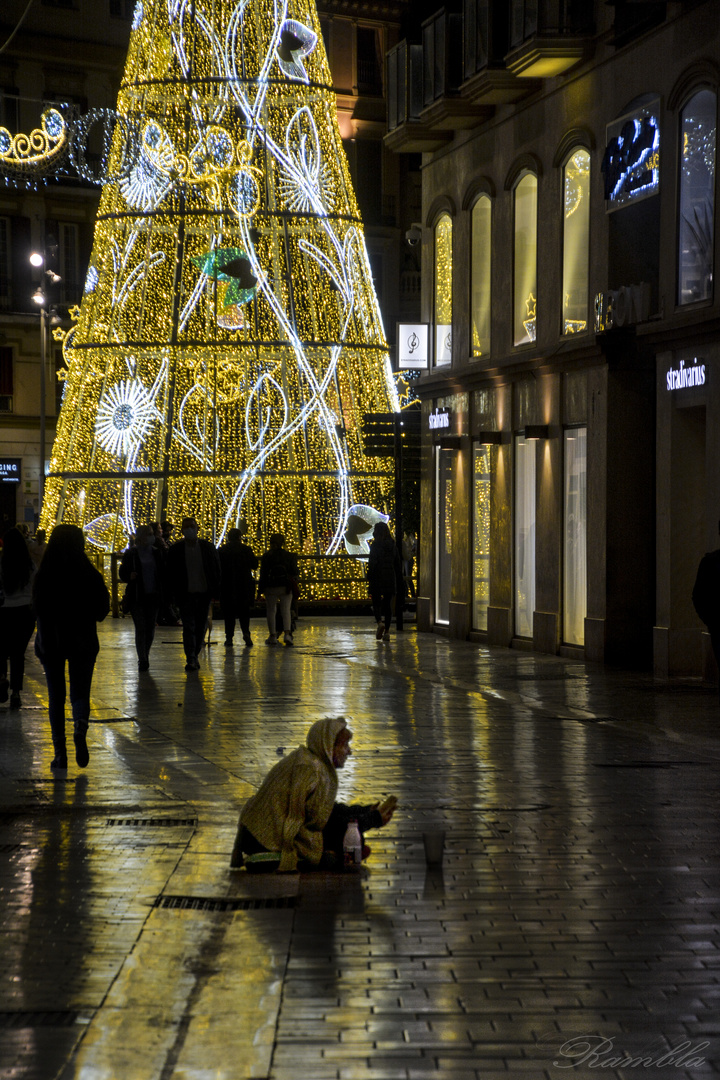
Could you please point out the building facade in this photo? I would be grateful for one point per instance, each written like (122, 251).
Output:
(571, 405)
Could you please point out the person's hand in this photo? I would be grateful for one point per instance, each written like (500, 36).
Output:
(387, 808)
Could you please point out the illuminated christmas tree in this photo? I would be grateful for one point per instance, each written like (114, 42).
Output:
(229, 339)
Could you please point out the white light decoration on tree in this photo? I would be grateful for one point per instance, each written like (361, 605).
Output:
(229, 340)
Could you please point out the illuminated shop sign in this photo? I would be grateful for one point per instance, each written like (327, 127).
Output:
(631, 165)
(681, 377)
(439, 420)
(412, 343)
(10, 470)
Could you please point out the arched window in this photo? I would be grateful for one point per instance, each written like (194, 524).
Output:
(481, 225)
(525, 279)
(697, 186)
(443, 290)
(576, 241)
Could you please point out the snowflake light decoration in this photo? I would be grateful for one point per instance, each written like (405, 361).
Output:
(123, 417)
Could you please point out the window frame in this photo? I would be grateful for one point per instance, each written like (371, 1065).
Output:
(577, 148)
(483, 196)
(441, 218)
(524, 175)
(684, 105)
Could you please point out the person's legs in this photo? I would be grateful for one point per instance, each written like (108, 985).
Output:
(243, 614)
(229, 616)
(202, 606)
(271, 600)
(188, 631)
(22, 623)
(152, 607)
(285, 605)
(5, 646)
(80, 670)
(55, 678)
(387, 606)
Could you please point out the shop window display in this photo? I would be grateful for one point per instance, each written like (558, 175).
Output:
(481, 535)
(576, 241)
(575, 541)
(696, 212)
(481, 265)
(443, 534)
(524, 536)
(525, 277)
(443, 290)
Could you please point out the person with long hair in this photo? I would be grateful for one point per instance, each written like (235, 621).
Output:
(17, 620)
(70, 598)
(384, 570)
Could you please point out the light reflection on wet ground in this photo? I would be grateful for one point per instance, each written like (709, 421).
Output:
(579, 894)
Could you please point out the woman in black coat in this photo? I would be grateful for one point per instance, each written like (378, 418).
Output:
(70, 597)
(384, 568)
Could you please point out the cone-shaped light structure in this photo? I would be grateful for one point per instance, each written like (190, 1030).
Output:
(229, 339)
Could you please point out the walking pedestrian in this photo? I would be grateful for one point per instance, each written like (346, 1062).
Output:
(409, 547)
(70, 598)
(706, 597)
(142, 568)
(17, 620)
(37, 546)
(383, 573)
(278, 577)
(193, 574)
(293, 820)
(237, 584)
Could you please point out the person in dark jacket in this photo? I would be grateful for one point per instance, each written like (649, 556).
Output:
(384, 569)
(70, 598)
(193, 575)
(278, 573)
(143, 569)
(237, 584)
(706, 597)
(17, 619)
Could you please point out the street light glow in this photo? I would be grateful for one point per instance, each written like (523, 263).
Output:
(36, 259)
(39, 297)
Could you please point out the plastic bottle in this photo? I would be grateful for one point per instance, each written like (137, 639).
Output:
(352, 845)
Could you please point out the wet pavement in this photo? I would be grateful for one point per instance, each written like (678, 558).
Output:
(571, 931)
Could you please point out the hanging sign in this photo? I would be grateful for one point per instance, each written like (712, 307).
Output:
(443, 343)
(412, 345)
(439, 420)
(631, 165)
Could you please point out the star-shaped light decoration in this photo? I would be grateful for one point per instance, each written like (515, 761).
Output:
(233, 266)
(296, 42)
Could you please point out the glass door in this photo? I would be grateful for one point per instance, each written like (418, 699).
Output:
(481, 535)
(443, 532)
(575, 538)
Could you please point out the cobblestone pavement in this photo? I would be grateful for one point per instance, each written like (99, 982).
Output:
(572, 930)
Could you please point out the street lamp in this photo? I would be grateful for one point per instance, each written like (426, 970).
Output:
(40, 298)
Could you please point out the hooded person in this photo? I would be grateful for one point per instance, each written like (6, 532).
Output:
(293, 820)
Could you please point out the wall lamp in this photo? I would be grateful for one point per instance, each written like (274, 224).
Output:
(493, 438)
(537, 431)
(450, 442)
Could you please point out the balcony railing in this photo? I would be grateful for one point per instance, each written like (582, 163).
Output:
(549, 18)
(442, 51)
(485, 36)
(404, 83)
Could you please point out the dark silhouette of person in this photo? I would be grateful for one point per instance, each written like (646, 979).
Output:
(706, 597)
(193, 574)
(384, 570)
(143, 569)
(70, 598)
(237, 584)
(17, 619)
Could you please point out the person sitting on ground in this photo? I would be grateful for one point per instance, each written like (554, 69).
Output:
(293, 821)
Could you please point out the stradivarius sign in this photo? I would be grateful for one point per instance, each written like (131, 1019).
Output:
(439, 420)
(682, 377)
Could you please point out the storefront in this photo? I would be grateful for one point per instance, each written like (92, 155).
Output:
(688, 502)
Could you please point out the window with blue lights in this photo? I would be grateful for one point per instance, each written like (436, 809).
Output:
(698, 127)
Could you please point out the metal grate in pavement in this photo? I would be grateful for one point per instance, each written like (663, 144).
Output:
(154, 822)
(225, 903)
(47, 1018)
